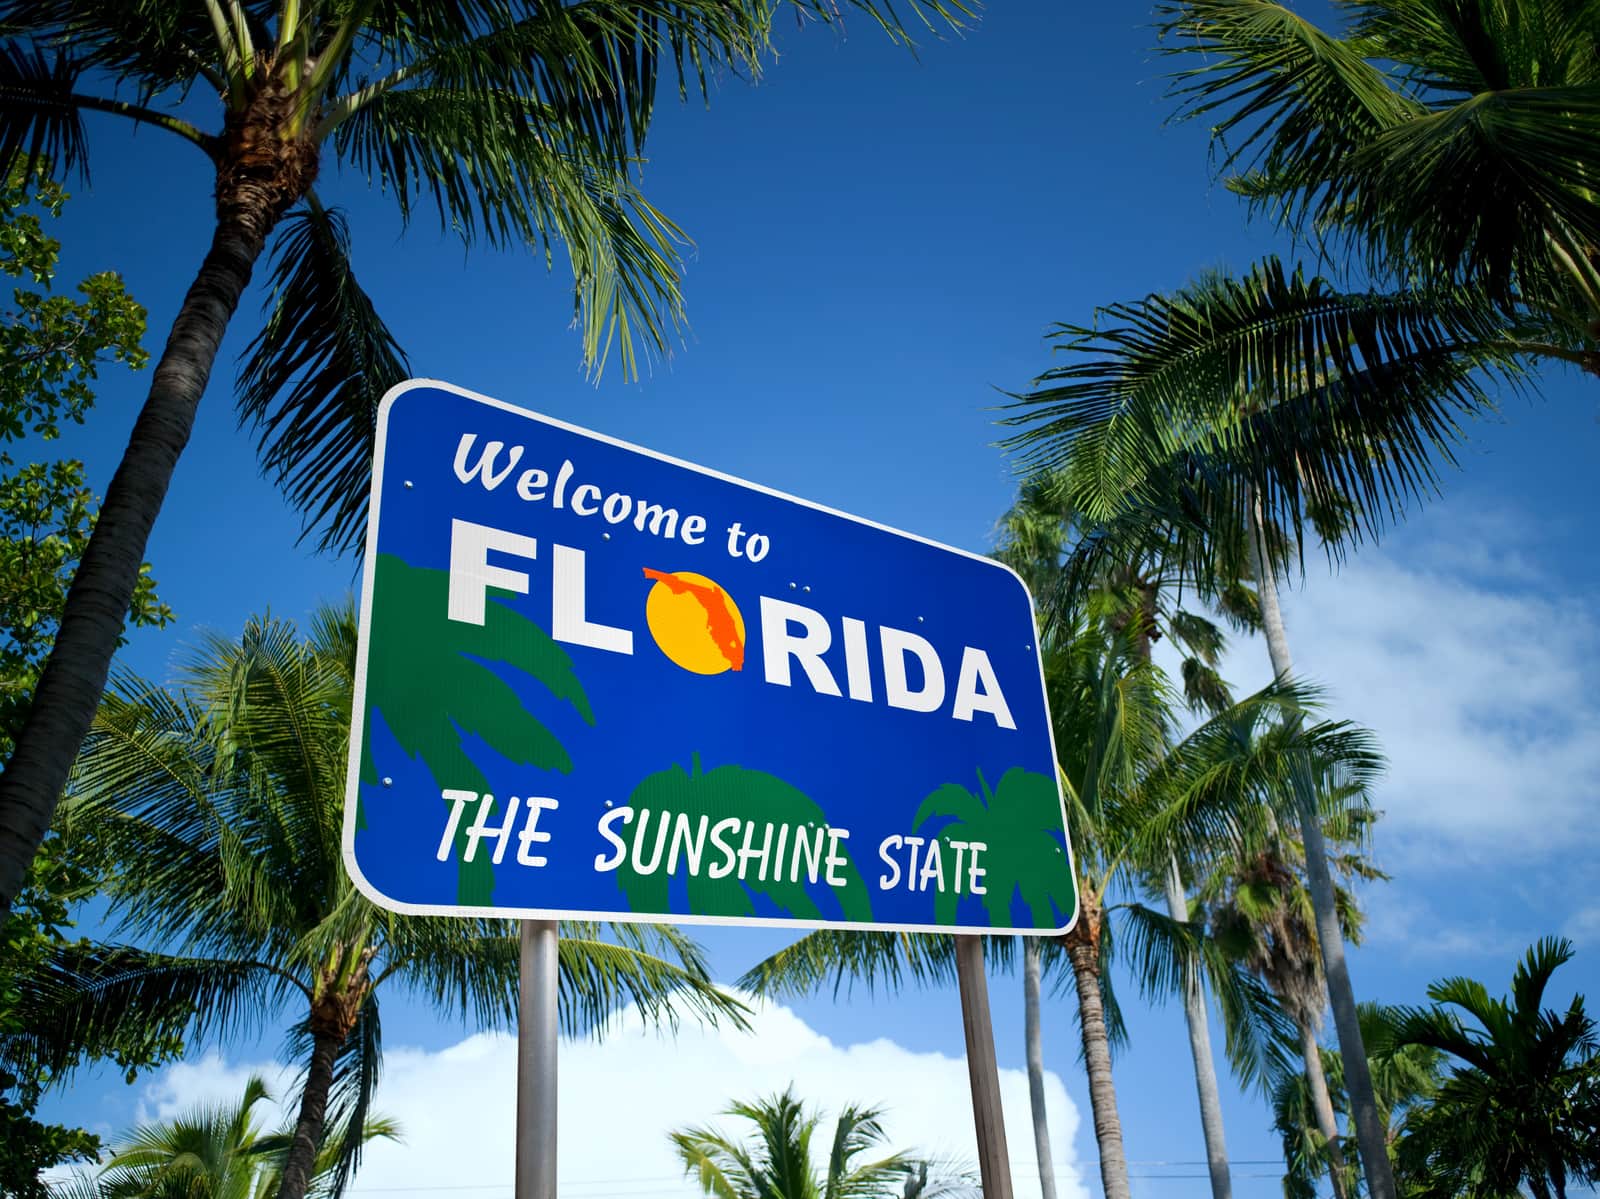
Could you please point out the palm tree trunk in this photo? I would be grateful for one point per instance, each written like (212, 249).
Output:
(1034, 1044)
(1083, 953)
(1322, 1107)
(1370, 1132)
(1205, 1070)
(302, 1155)
(68, 692)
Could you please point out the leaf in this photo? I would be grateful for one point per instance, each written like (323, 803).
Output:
(310, 381)
(40, 119)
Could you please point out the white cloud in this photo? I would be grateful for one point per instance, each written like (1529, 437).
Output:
(1476, 677)
(1583, 926)
(620, 1097)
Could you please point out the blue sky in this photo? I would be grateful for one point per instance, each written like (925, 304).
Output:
(880, 243)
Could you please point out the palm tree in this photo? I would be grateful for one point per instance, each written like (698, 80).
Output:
(1522, 1105)
(1446, 143)
(217, 1153)
(1132, 792)
(1034, 533)
(1404, 1078)
(521, 122)
(1263, 917)
(222, 804)
(780, 1163)
(1228, 418)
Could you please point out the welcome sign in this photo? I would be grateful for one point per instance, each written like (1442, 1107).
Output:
(594, 681)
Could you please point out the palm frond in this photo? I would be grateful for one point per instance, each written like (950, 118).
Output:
(600, 978)
(40, 112)
(150, 45)
(1453, 143)
(98, 1000)
(501, 165)
(310, 381)
(1298, 99)
(841, 959)
(1273, 392)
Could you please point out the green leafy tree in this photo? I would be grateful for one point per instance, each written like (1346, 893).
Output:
(1139, 591)
(520, 123)
(1521, 1103)
(781, 1161)
(30, 934)
(208, 1152)
(1450, 145)
(54, 346)
(221, 802)
(1260, 912)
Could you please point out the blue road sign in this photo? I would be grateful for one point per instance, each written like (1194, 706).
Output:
(595, 681)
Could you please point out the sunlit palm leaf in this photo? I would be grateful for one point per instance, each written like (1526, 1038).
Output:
(1450, 141)
(87, 996)
(1274, 389)
(153, 44)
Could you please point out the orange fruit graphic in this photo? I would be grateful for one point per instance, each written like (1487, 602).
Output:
(694, 621)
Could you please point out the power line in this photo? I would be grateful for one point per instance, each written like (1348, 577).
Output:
(669, 1178)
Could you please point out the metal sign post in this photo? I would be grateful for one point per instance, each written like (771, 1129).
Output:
(994, 1164)
(537, 1031)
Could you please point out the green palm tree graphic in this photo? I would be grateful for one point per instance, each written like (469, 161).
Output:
(1020, 823)
(715, 794)
(430, 680)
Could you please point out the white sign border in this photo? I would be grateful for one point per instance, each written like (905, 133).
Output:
(358, 711)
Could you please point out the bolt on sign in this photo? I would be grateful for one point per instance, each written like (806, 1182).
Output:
(595, 681)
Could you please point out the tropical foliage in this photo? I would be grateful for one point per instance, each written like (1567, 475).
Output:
(1446, 143)
(210, 1152)
(781, 1158)
(1520, 1106)
(518, 123)
(53, 347)
(1436, 156)
(221, 804)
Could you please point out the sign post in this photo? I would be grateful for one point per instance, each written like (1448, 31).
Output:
(983, 1072)
(596, 682)
(537, 1004)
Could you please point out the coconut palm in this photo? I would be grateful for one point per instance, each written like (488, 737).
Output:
(222, 804)
(1132, 792)
(217, 1153)
(1262, 915)
(518, 122)
(1139, 589)
(1521, 1104)
(1228, 419)
(1211, 789)
(1404, 1078)
(780, 1162)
